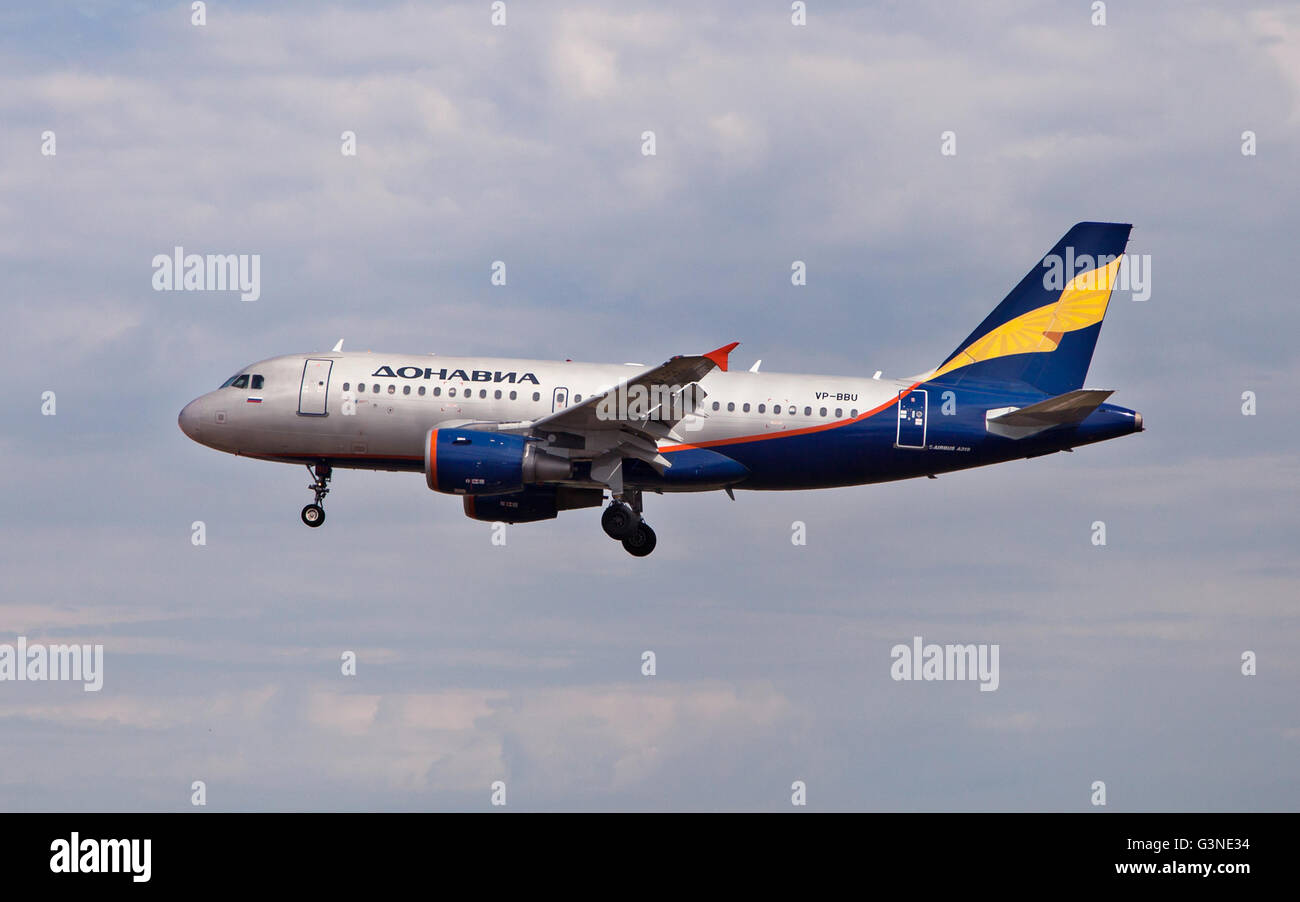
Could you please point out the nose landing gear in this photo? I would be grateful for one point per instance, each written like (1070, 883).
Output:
(314, 514)
(622, 522)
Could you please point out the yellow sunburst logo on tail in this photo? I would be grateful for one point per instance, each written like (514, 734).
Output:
(1082, 303)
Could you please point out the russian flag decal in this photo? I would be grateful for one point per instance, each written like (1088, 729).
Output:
(254, 400)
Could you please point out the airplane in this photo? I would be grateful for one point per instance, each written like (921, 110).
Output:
(522, 440)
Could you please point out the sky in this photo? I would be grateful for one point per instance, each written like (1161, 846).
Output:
(522, 143)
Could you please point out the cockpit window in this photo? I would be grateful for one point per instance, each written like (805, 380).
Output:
(240, 381)
(257, 381)
(229, 382)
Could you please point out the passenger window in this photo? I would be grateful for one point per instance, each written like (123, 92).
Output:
(451, 392)
(482, 392)
(731, 405)
(497, 394)
(537, 396)
(437, 390)
(823, 412)
(717, 406)
(361, 388)
(406, 389)
(513, 395)
(762, 408)
(746, 407)
(421, 391)
(853, 413)
(839, 412)
(776, 409)
(807, 411)
(257, 381)
(241, 382)
(392, 389)
(375, 388)
(345, 386)
(577, 399)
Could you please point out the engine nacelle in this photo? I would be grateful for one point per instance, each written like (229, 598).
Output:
(470, 462)
(533, 503)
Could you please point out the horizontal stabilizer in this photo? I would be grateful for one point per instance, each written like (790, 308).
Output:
(1063, 410)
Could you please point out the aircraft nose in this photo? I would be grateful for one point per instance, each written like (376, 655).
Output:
(189, 420)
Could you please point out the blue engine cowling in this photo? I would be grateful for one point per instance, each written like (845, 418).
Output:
(532, 504)
(470, 462)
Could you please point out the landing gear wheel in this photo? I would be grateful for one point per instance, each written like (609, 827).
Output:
(619, 521)
(314, 514)
(642, 541)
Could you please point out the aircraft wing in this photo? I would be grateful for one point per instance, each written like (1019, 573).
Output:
(628, 419)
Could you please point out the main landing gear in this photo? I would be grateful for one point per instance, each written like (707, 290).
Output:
(622, 522)
(314, 514)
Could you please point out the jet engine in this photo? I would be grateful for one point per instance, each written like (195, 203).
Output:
(470, 462)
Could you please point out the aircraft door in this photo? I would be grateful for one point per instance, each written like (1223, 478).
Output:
(315, 387)
(911, 419)
(560, 399)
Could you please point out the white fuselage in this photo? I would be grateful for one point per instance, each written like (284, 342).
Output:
(376, 408)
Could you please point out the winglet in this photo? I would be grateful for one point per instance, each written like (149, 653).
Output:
(339, 346)
(720, 355)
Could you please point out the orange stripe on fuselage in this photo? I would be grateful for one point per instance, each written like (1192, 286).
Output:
(686, 446)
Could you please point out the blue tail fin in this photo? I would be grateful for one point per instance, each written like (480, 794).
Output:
(1044, 332)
